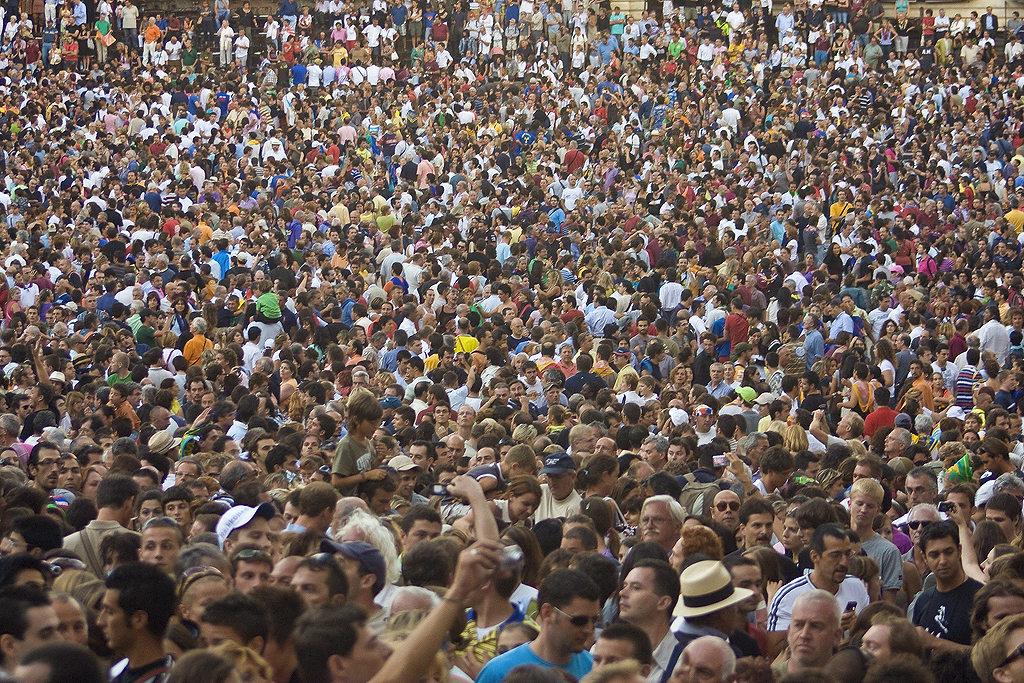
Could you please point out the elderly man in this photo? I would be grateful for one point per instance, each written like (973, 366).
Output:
(898, 441)
(582, 439)
(655, 451)
(922, 485)
(705, 660)
(661, 521)
(814, 632)
(918, 518)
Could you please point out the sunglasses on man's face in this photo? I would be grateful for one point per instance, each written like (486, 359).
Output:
(919, 524)
(731, 505)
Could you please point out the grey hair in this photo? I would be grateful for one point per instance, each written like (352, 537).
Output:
(751, 439)
(376, 534)
(924, 424)
(200, 325)
(821, 597)
(660, 442)
(1008, 482)
(924, 473)
(9, 423)
(674, 508)
(927, 507)
(904, 436)
(728, 656)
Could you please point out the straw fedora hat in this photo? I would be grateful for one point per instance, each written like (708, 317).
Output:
(162, 442)
(706, 587)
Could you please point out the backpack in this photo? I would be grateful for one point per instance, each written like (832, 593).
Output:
(698, 498)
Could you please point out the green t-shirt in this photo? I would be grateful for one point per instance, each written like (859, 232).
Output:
(675, 48)
(146, 335)
(103, 27)
(189, 57)
(351, 458)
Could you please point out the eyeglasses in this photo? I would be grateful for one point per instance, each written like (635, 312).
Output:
(919, 523)
(1016, 654)
(49, 462)
(731, 505)
(579, 620)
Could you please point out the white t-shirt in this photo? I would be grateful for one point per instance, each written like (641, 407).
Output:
(780, 611)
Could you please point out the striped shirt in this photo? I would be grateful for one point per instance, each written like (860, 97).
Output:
(966, 382)
(780, 611)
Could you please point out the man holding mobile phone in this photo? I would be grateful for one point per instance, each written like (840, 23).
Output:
(831, 550)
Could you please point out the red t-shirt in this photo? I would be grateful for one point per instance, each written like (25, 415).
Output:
(738, 328)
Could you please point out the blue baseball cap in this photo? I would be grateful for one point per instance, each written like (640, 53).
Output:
(558, 463)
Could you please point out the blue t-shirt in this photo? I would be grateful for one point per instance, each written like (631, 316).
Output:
(496, 669)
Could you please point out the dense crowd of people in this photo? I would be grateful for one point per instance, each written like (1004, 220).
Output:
(525, 342)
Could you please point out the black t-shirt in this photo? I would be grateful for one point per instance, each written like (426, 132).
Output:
(947, 615)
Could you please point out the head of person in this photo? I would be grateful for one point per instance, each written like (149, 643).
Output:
(27, 620)
(661, 520)
(419, 523)
(137, 605)
(236, 618)
(1004, 509)
(251, 567)
(708, 595)
(560, 472)
(334, 644)
(568, 604)
(162, 539)
(319, 581)
(756, 517)
(363, 565)
(707, 659)
(725, 509)
(622, 642)
(245, 524)
(814, 630)
(940, 545)
(651, 588)
(999, 656)
(866, 497)
(920, 517)
(922, 486)
(60, 662)
(996, 600)
(830, 551)
(891, 636)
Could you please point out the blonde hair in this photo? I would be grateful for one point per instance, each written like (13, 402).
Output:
(82, 586)
(795, 438)
(868, 487)
(243, 657)
(624, 670)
